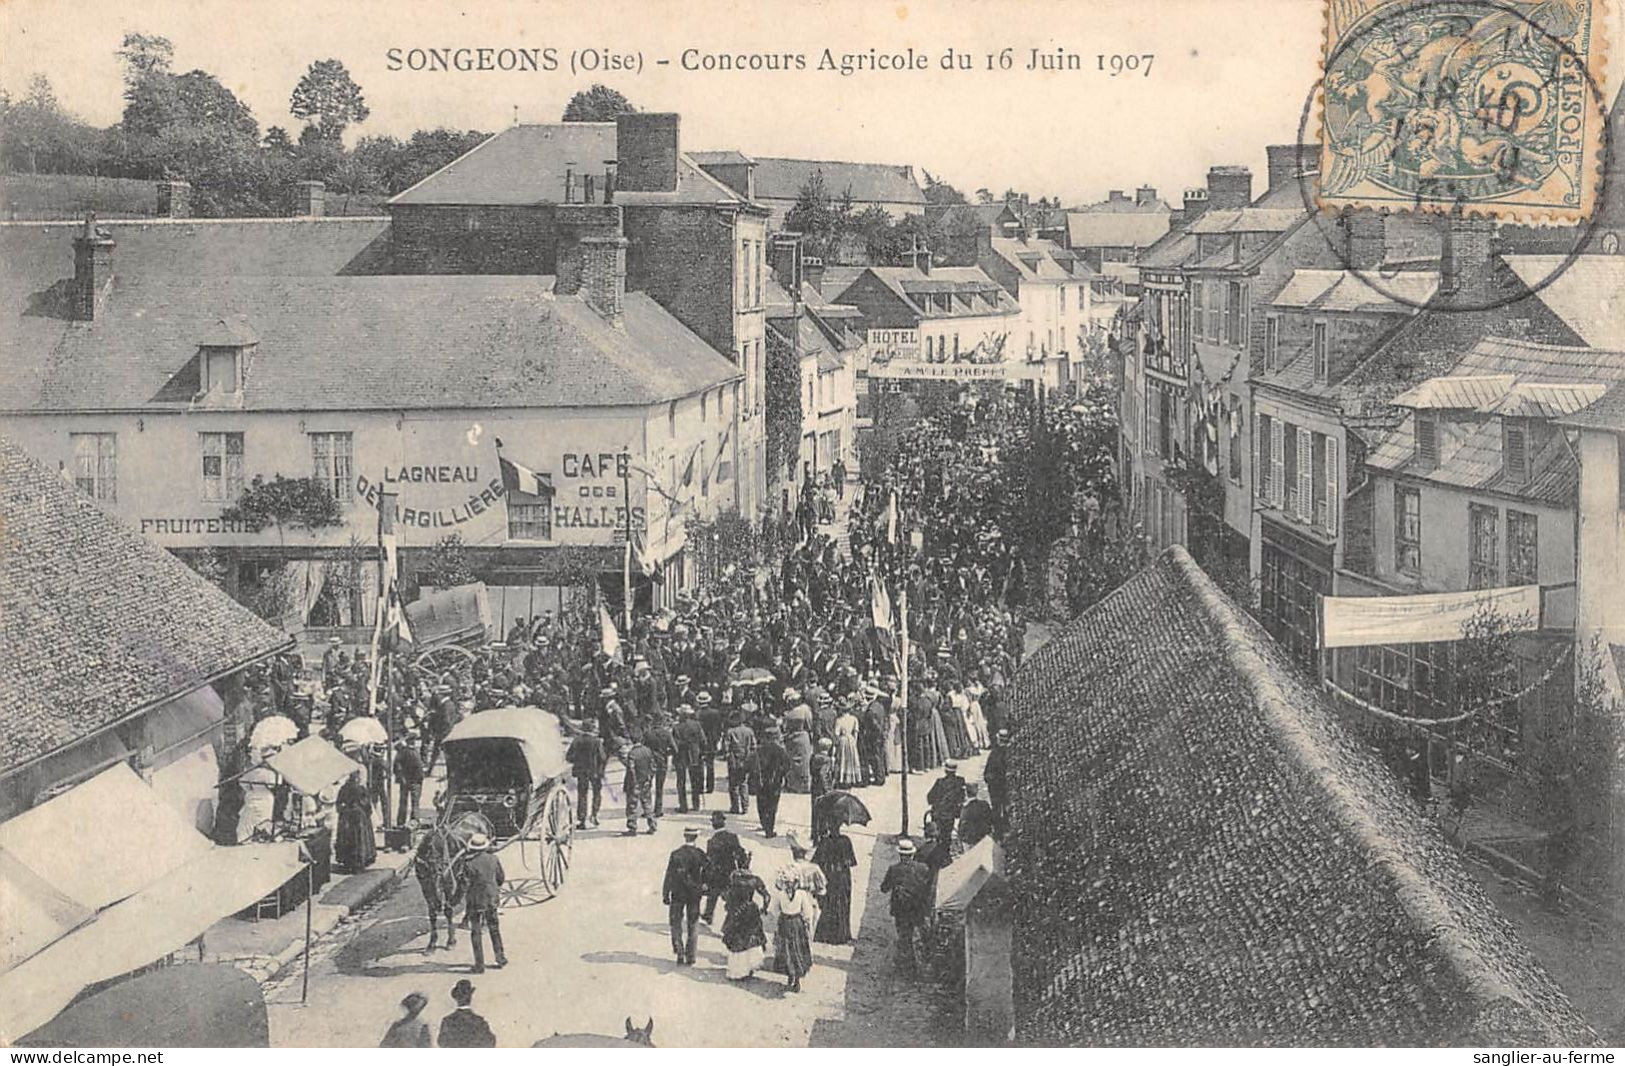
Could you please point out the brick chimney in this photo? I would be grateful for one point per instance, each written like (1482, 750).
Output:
(1195, 204)
(309, 198)
(1362, 232)
(1229, 187)
(1117, 196)
(646, 152)
(1145, 194)
(174, 199)
(92, 270)
(1289, 162)
(603, 274)
(812, 270)
(1464, 258)
(786, 262)
(920, 256)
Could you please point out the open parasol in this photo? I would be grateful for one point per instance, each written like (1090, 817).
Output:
(272, 732)
(754, 675)
(841, 808)
(363, 730)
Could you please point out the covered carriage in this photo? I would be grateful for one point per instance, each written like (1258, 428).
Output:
(505, 775)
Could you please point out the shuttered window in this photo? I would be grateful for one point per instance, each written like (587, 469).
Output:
(1306, 476)
(1277, 462)
(1333, 486)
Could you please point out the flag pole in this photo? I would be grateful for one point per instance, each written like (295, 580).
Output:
(626, 563)
(902, 612)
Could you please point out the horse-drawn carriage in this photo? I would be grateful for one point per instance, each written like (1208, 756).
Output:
(505, 774)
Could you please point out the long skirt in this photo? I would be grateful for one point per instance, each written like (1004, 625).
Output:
(940, 736)
(355, 849)
(793, 945)
(835, 921)
(741, 964)
(894, 747)
(977, 724)
(953, 728)
(848, 764)
(798, 778)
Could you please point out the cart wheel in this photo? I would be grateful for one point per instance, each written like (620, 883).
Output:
(444, 659)
(558, 837)
(525, 892)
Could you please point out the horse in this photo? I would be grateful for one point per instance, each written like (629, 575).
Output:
(438, 865)
(634, 1036)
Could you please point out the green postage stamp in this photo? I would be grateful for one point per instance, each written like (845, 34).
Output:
(1492, 107)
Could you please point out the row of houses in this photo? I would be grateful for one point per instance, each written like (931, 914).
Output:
(1373, 405)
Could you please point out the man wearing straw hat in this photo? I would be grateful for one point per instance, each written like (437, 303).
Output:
(908, 883)
(484, 872)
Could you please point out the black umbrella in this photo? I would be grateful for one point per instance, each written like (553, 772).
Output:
(841, 808)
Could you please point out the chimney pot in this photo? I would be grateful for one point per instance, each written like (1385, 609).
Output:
(1145, 194)
(1289, 162)
(646, 151)
(92, 270)
(812, 269)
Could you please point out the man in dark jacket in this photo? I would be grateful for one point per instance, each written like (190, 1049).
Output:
(909, 884)
(409, 778)
(712, 720)
(723, 855)
(462, 1027)
(873, 726)
(657, 738)
(484, 895)
(996, 772)
(638, 786)
(821, 779)
(688, 748)
(587, 758)
(945, 798)
(681, 892)
(772, 764)
(740, 742)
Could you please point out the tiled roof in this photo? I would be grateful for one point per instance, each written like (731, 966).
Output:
(1588, 292)
(1171, 251)
(1246, 220)
(1039, 260)
(34, 255)
(1345, 290)
(1200, 855)
(98, 623)
(347, 344)
(968, 284)
(1115, 229)
(1475, 462)
(1606, 413)
(867, 183)
(527, 164)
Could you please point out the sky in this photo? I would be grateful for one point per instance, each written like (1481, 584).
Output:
(1228, 77)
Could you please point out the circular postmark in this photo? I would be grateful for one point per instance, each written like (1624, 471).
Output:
(1448, 110)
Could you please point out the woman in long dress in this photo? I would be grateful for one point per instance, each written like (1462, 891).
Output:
(835, 857)
(796, 913)
(953, 723)
(798, 745)
(848, 764)
(742, 931)
(355, 849)
(894, 742)
(975, 721)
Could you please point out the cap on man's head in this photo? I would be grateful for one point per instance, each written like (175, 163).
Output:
(335, 641)
(463, 991)
(718, 819)
(682, 679)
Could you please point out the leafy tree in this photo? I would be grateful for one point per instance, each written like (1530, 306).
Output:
(144, 57)
(38, 136)
(447, 564)
(285, 502)
(277, 142)
(983, 196)
(599, 103)
(783, 406)
(815, 217)
(328, 95)
(940, 192)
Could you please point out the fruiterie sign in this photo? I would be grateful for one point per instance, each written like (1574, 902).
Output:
(1350, 621)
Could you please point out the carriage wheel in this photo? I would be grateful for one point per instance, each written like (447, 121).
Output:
(444, 659)
(558, 838)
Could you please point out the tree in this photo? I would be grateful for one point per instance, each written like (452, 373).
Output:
(291, 502)
(447, 565)
(37, 136)
(940, 192)
(327, 94)
(277, 142)
(983, 196)
(144, 56)
(600, 103)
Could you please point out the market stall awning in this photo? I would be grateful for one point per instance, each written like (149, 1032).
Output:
(312, 765)
(959, 885)
(161, 918)
(102, 841)
(34, 913)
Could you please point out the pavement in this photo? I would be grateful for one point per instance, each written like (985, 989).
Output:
(600, 953)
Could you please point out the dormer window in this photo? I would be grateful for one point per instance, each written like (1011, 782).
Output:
(224, 351)
(222, 370)
(1427, 439)
(1515, 449)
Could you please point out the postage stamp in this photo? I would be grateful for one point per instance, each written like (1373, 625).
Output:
(1494, 108)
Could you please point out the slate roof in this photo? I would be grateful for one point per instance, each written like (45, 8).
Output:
(1200, 855)
(1115, 229)
(722, 157)
(98, 623)
(1462, 392)
(1170, 252)
(1246, 220)
(1345, 290)
(910, 285)
(344, 343)
(1606, 413)
(1475, 462)
(868, 183)
(526, 165)
(1040, 260)
(1587, 293)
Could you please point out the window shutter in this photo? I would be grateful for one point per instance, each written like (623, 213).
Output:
(1332, 490)
(1261, 458)
(1277, 462)
(1306, 476)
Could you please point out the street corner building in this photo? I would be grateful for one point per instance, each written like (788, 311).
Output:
(119, 689)
(1200, 854)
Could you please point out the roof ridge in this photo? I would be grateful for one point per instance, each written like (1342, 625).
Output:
(449, 164)
(1413, 890)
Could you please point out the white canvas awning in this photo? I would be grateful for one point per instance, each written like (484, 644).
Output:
(959, 885)
(161, 918)
(104, 840)
(34, 914)
(1349, 621)
(312, 765)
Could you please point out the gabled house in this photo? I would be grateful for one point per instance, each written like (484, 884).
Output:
(1052, 287)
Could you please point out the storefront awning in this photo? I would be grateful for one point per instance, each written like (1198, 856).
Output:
(35, 913)
(173, 728)
(161, 918)
(312, 765)
(1350, 621)
(102, 841)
